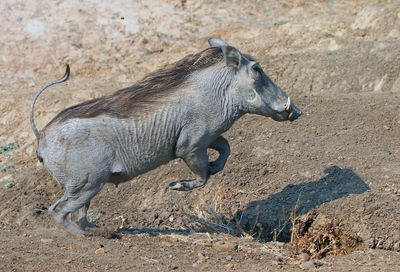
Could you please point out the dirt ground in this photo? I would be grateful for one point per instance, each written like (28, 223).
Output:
(321, 193)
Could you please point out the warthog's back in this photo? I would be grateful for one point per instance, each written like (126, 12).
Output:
(146, 95)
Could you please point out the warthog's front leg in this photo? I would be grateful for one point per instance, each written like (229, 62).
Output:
(222, 146)
(198, 163)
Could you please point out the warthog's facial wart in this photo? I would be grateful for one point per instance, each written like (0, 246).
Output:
(254, 99)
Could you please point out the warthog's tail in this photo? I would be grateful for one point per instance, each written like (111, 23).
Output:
(34, 128)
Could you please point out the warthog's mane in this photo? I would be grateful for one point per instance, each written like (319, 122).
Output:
(150, 90)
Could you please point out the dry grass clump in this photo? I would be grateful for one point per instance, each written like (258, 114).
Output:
(325, 237)
(205, 217)
(207, 220)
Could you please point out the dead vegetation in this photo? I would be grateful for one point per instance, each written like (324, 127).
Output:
(205, 218)
(323, 237)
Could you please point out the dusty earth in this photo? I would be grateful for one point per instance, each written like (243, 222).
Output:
(321, 193)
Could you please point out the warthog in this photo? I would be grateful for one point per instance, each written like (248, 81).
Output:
(176, 112)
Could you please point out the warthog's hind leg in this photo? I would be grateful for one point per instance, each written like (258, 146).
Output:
(80, 217)
(222, 146)
(73, 200)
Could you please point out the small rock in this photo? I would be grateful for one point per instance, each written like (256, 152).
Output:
(100, 251)
(276, 263)
(222, 246)
(368, 216)
(307, 265)
(263, 171)
(229, 257)
(166, 243)
(46, 241)
(303, 257)
(229, 266)
(31, 84)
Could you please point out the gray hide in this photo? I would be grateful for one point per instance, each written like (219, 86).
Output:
(96, 142)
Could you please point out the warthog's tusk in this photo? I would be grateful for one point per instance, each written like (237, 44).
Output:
(287, 105)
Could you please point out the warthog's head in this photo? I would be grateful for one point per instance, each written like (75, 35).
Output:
(257, 92)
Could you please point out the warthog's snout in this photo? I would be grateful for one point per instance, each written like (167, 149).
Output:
(290, 112)
(293, 111)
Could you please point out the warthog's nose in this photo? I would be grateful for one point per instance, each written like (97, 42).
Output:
(294, 115)
(293, 111)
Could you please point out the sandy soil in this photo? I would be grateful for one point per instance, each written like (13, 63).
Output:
(321, 193)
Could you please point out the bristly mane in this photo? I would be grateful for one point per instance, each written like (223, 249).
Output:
(151, 89)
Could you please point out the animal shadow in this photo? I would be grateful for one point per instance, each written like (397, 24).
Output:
(262, 218)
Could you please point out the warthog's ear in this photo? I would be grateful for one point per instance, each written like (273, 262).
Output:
(232, 56)
(215, 42)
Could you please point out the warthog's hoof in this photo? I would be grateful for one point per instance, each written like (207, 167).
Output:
(183, 185)
(214, 167)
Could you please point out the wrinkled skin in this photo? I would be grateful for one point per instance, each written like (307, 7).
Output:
(261, 95)
(82, 154)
